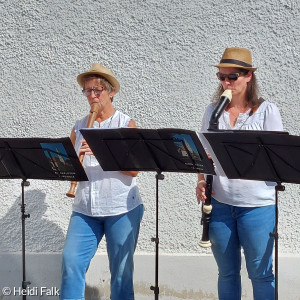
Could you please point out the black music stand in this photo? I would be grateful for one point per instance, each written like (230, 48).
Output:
(131, 149)
(38, 158)
(258, 155)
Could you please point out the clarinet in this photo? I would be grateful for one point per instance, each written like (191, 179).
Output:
(206, 206)
(206, 213)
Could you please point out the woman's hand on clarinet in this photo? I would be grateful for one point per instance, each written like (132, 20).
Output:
(200, 191)
(85, 148)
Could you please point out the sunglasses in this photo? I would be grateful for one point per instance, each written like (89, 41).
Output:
(233, 76)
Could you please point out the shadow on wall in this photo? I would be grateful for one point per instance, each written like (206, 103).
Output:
(44, 242)
(41, 234)
(93, 293)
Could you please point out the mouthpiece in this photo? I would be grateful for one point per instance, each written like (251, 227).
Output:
(221, 105)
(227, 94)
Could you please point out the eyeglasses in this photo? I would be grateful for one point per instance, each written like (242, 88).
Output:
(233, 76)
(88, 92)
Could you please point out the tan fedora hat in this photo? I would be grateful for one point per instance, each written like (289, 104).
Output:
(237, 58)
(98, 69)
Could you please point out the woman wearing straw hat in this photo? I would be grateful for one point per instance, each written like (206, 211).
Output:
(243, 212)
(108, 204)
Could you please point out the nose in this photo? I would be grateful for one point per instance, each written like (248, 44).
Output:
(227, 80)
(226, 83)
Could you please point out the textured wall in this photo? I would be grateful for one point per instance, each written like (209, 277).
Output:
(161, 52)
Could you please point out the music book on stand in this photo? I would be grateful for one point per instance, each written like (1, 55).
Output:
(255, 155)
(40, 158)
(133, 149)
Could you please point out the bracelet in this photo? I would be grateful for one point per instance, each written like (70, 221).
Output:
(200, 181)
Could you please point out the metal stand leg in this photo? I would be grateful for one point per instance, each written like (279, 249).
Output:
(24, 216)
(274, 234)
(155, 288)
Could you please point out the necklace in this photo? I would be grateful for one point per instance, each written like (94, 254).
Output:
(236, 114)
(245, 120)
(240, 110)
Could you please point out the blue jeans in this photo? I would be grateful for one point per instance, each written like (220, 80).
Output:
(83, 237)
(234, 227)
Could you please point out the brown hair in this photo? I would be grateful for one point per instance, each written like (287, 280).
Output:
(251, 93)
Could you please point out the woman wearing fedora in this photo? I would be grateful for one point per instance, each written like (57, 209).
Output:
(107, 205)
(243, 211)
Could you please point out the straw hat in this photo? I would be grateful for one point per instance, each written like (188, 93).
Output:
(237, 58)
(98, 69)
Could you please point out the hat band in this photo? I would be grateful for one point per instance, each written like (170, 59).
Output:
(236, 62)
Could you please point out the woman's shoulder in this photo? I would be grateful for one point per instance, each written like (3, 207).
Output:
(121, 114)
(210, 107)
(267, 106)
(81, 122)
(120, 119)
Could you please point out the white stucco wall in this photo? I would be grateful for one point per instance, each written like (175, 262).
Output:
(162, 52)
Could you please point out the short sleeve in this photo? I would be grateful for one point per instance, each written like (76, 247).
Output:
(206, 117)
(272, 120)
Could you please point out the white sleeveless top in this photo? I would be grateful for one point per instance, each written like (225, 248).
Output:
(240, 192)
(107, 193)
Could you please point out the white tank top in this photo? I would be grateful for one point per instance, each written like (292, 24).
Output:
(107, 193)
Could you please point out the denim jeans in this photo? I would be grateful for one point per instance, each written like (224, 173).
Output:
(83, 237)
(234, 227)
